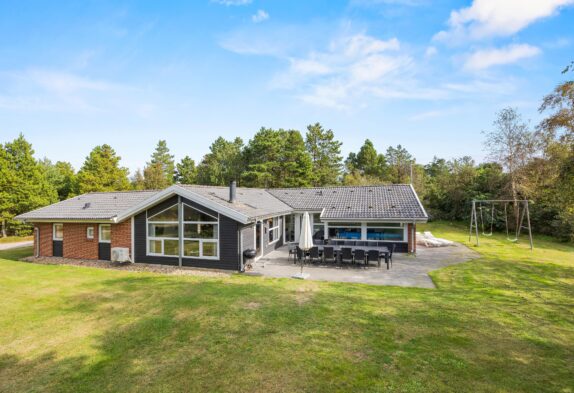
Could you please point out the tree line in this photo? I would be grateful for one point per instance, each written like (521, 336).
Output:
(523, 162)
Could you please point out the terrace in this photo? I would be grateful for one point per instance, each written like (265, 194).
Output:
(406, 270)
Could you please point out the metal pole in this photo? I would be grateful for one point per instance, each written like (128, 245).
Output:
(471, 221)
(529, 228)
(476, 226)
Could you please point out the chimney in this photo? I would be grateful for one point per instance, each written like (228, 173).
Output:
(232, 191)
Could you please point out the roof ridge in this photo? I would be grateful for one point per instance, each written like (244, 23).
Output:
(114, 192)
(330, 187)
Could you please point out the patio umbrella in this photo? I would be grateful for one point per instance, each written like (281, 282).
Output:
(305, 240)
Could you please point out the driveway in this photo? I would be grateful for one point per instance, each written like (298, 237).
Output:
(407, 270)
(8, 246)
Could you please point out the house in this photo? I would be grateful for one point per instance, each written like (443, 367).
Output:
(210, 227)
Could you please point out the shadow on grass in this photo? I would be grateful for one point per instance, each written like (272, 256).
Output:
(483, 331)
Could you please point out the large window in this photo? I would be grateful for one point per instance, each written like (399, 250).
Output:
(318, 227)
(273, 225)
(163, 232)
(344, 230)
(289, 228)
(200, 234)
(385, 231)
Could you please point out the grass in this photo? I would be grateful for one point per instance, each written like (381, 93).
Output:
(500, 323)
(13, 239)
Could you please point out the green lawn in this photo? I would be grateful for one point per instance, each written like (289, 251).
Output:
(13, 239)
(501, 323)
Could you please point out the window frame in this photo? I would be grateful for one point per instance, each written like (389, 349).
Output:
(181, 239)
(54, 231)
(273, 230)
(100, 240)
(200, 240)
(162, 239)
(90, 236)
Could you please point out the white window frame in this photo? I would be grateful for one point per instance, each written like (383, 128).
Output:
(275, 229)
(382, 225)
(200, 240)
(363, 225)
(90, 233)
(100, 233)
(148, 237)
(54, 232)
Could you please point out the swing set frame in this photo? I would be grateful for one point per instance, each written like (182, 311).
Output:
(520, 216)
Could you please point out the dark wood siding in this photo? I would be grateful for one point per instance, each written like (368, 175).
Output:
(247, 240)
(104, 251)
(228, 243)
(228, 240)
(58, 248)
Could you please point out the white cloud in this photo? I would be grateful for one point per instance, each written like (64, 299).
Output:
(37, 89)
(351, 66)
(369, 3)
(259, 16)
(485, 58)
(232, 2)
(489, 18)
(431, 51)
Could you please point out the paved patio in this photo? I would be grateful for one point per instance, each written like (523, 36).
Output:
(407, 271)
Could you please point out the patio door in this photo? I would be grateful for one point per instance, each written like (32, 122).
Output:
(258, 228)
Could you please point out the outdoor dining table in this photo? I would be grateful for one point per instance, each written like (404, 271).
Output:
(337, 248)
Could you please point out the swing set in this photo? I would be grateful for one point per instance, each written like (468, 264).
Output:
(483, 211)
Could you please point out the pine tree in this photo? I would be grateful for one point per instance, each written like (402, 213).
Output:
(222, 164)
(186, 172)
(325, 154)
(162, 159)
(154, 177)
(277, 158)
(62, 177)
(102, 172)
(22, 183)
(137, 180)
(399, 161)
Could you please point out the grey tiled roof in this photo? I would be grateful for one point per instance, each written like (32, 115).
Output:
(369, 202)
(252, 202)
(394, 201)
(92, 206)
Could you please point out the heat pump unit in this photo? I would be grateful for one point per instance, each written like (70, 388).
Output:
(121, 254)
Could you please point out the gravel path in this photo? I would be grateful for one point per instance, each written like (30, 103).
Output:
(8, 246)
(128, 267)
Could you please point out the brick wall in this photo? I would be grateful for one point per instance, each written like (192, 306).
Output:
(411, 235)
(122, 235)
(45, 240)
(76, 243)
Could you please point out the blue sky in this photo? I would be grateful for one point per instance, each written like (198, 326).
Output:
(429, 75)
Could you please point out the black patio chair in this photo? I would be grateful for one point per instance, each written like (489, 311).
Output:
(347, 254)
(329, 254)
(314, 254)
(360, 256)
(301, 255)
(374, 256)
(292, 252)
